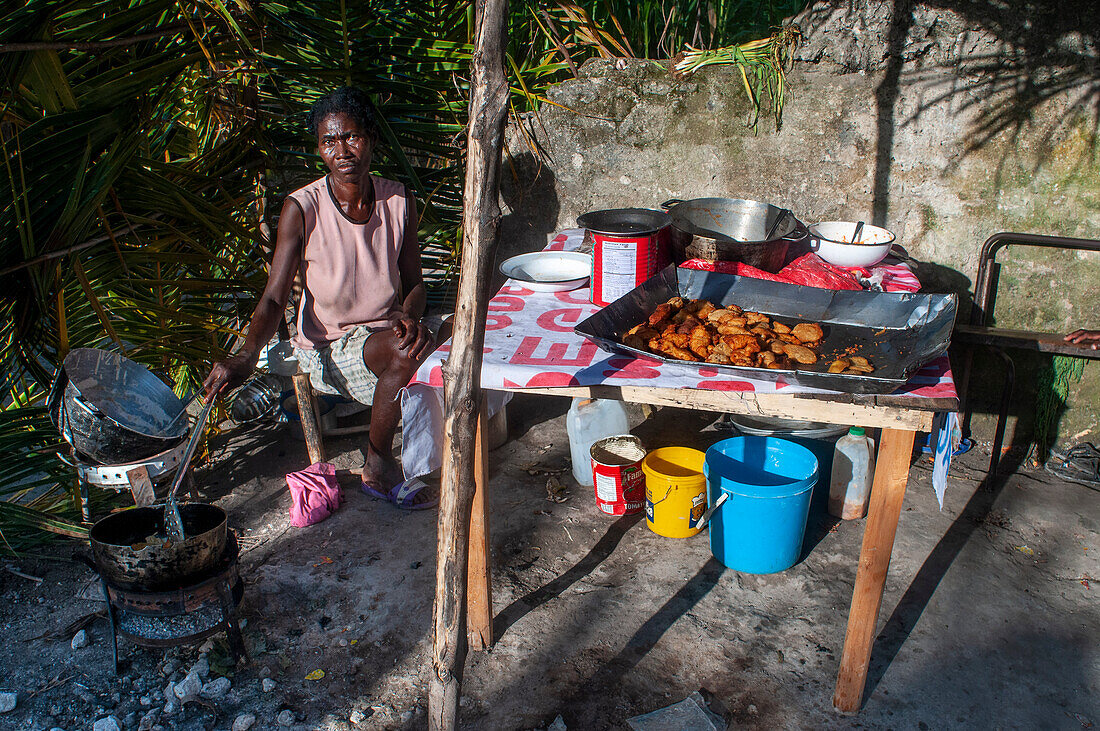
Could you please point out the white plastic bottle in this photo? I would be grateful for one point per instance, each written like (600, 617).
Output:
(853, 472)
(588, 421)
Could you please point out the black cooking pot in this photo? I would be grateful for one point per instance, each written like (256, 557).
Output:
(126, 557)
(733, 229)
(624, 221)
(113, 410)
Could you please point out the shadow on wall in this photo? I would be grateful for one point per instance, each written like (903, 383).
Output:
(528, 189)
(999, 61)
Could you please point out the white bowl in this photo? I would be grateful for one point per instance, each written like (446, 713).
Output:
(549, 271)
(832, 241)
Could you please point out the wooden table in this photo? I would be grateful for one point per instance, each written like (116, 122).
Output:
(899, 417)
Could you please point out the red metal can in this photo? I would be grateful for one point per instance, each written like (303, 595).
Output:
(629, 245)
(618, 476)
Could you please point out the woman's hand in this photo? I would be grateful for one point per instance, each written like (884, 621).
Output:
(1089, 338)
(228, 374)
(412, 336)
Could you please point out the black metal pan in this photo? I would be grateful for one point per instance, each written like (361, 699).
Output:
(898, 333)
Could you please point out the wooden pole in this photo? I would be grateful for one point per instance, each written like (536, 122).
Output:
(462, 371)
(307, 417)
(479, 590)
(887, 493)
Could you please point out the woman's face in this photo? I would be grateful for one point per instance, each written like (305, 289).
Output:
(345, 147)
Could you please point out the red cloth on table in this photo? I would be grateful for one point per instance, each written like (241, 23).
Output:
(810, 270)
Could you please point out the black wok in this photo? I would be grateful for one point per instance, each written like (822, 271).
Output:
(125, 557)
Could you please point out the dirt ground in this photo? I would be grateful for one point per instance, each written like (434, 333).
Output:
(990, 616)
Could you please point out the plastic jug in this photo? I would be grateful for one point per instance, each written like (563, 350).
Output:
(853, 472)
(589, 420)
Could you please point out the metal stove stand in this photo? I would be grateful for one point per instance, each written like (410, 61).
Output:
(180, 616)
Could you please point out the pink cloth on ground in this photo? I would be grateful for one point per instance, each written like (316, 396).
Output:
(314, 494)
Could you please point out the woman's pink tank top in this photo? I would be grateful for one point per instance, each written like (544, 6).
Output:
(349, 269)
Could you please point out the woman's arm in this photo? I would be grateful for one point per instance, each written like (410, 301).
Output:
(233, 371)
(410, 333)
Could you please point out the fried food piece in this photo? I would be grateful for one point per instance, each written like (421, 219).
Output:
(663, 346)
(742, 342)
(742, 358)
(780, 364)
(860, 369)
(765, 358)
(859, 360)
(644, 331)
(780, 328)
(704, 311)
(789, 338)
(734, 309)
(700, 341)
(808, 332)
(662, 312)
(716, 357)
(839, 365)
(676, 302)
(726, 317)
(688, 324)
(732, 330)
(777, 347)
(755, 317)
(763, 333)
(800, 354)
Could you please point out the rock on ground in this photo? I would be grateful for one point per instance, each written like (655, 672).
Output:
(215, 689)
(244, 722)
(7, 702)
(189, 688)
(80, 640)
(109, 723)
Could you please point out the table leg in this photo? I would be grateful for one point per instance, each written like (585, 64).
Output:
(479, 578)
(887, 493)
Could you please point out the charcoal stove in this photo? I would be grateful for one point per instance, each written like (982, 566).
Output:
(179, 616)
(154, 472)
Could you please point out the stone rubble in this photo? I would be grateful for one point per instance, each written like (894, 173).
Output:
(80, 640)
(215, 689)
(109, 723)
(244, 722)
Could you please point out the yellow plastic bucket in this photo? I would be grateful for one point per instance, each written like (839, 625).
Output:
(675, 491)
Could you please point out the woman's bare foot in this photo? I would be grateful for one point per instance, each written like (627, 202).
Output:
(381, 473)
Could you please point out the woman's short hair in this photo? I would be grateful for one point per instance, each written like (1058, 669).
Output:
(348, 100)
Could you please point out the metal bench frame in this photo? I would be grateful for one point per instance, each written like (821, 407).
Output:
(978, 331)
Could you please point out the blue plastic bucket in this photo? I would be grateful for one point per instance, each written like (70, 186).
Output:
(768, 484)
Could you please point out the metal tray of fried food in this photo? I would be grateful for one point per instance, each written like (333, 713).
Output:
(897, 332)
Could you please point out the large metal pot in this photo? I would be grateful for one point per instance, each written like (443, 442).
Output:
(126, 557)
(732, 229)
(112, 409)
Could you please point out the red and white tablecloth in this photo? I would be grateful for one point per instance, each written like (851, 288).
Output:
(530, 343)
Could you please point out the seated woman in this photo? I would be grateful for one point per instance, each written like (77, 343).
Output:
(352, 236)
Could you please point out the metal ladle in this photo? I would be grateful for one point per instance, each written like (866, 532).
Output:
(173, 523)
(857, 232)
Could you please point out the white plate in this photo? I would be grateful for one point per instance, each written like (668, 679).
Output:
(549, 271)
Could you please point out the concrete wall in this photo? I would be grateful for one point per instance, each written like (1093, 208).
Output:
(944, 125)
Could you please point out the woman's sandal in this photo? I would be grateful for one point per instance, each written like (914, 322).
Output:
(404, 495)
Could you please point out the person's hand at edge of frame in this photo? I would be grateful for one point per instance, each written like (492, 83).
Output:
(1085, 338)
(228, 374)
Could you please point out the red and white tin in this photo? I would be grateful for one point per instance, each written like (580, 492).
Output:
(618, 476)
(629, 245)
